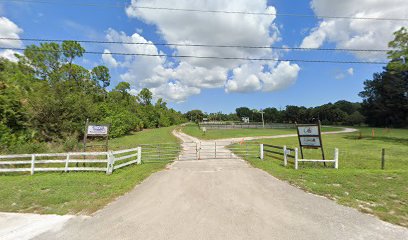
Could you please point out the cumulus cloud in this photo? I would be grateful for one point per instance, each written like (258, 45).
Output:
(354, 33)
(108, 59)
(9, 30)
(343, 74)
(176, 80)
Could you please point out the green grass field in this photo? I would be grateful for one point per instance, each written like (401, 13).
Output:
(359, 182)
(195, 131)
(80, 192)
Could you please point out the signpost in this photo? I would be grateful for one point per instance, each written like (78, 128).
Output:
(310, 136)
(95, 131)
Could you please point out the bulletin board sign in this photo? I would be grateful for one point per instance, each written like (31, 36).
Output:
(310, 136)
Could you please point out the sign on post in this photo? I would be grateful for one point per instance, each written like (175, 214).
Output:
(310, 136)
(97, 130)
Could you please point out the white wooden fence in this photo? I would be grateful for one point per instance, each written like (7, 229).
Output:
(64, 162)
(286, 153)
(335, 160)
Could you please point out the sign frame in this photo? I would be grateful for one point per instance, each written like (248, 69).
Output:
(87, 135)
(312, 134)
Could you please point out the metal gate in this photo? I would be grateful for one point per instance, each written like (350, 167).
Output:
(203, 150)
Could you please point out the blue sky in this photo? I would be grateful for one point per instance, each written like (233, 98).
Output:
(229, 85)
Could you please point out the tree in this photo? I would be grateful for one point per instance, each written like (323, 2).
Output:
(385, 97)
(101, 74)
(195, 115)
(399, 54)
(145, 96)
(243, 112)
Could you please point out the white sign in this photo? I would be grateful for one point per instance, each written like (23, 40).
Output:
(308, 131)
(204, 129)
(310, 141)
(98, 130)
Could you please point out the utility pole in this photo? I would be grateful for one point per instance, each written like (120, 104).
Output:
(263, 122)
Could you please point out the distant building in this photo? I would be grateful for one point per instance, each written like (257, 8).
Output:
(205, 119)
(245, 119)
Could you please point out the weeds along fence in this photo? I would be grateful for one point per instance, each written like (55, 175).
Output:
(67, 162)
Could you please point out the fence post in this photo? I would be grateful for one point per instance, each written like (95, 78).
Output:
(336, 158)
(296, 158)
(111, 161)
(67, 162)
(215, 145)
(32, 163)
(383, 159)
(285, 158)
(139, 155)
(261, 151)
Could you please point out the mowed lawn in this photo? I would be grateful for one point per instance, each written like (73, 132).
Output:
(359, 182)
(80, 192)
(195, 131)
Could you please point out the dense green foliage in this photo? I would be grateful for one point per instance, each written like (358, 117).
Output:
(45, 97)
(386, 95)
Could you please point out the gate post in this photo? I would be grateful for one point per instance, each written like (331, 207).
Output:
(285, 157)
(261, 151)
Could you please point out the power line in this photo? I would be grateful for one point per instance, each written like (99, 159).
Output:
(209, 57)
(198, 45)
(208, 11)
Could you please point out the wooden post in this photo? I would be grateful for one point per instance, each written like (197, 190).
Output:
(215, 146)
(336, 158)
(111, 161)
(67, 162)
(32, 164)
(383, 159)
(139, 155)
(296, 158)
(261, 151)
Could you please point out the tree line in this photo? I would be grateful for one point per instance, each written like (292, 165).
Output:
(339, 113)
(45, 97)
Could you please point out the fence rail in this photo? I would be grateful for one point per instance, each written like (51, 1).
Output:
(254, 125)
(66, 162)
(286, 153)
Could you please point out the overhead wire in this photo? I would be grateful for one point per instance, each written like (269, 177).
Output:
(210, 57)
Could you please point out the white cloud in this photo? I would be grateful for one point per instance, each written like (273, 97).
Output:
(350, 71)
(248, 78)
(9, 30)
(354, 33)
(343, 74)
(108, 59)
(176, 81)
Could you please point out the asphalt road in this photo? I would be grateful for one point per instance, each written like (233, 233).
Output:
(223, 199)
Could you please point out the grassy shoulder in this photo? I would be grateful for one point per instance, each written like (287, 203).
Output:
(211, 134)
(359, 182)
(81, 192)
